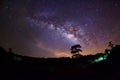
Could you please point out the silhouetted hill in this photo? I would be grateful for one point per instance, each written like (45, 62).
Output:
(105, 66)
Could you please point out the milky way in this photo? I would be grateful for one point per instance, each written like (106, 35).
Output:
(48, 28)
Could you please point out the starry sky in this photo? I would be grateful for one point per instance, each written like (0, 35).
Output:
(48, 28)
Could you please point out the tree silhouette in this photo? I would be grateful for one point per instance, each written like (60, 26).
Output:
(111, 44)
(75, 51)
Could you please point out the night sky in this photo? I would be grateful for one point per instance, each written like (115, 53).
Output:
(48, 28)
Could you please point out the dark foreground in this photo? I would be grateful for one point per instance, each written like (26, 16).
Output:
(15, 67)
(100, 71)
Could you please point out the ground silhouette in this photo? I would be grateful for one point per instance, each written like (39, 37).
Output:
(105, 66)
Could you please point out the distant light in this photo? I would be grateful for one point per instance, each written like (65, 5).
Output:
(104, 57)
(109, 52)
(99, 59)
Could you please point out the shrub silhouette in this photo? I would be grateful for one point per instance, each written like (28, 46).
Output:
(111, 44)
